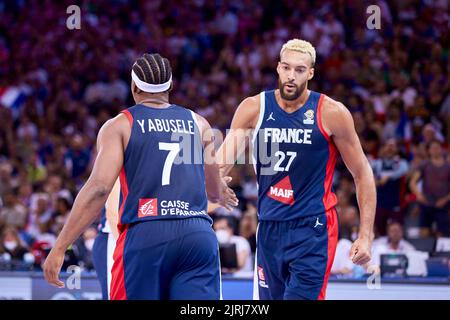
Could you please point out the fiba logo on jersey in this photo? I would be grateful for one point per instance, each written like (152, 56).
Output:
(148, 207)
(309, 117)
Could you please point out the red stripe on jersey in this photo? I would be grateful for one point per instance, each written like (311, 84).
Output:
(329, 198)
(332, 230)
(118, 291)
(319, 118)
(129, 116)
(124, 191)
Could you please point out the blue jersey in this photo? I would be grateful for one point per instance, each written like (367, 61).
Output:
(163, 173)
(294, 160)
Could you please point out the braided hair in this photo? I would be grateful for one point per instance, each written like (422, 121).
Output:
(152, 68)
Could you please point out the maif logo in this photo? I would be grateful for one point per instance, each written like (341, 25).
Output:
(282, 191)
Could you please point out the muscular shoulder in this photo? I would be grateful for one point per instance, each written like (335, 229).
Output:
(117, 127)
(331, 107)
(117, 123)
(252, 101)
(334, 115)
(202, 123)
(247, 113)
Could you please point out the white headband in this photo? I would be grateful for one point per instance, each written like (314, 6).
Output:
(152, 88)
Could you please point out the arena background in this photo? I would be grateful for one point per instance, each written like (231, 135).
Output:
(60, 83)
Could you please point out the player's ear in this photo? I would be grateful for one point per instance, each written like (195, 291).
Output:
(278, 67)
(311, 73)
(134, 88)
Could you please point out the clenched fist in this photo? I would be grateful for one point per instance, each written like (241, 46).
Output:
(361, 251)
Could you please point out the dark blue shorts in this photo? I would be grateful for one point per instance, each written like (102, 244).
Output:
(294, 258)
(167, 259)
(99, 259)
(430, 215)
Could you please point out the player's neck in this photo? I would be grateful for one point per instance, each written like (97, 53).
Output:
(293, 105)
(437, 160)
(154, 100)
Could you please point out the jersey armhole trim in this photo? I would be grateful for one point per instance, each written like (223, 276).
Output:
(200, 132)
(262, 108)
(129, 116)
(194, 117)
(319, 118)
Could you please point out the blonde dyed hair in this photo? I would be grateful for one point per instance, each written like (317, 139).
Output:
(300, 46)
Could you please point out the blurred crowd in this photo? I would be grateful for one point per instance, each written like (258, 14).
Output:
(58, 86)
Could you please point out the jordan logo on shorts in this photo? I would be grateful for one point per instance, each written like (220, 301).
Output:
(282, 191)
(318, 223)
(148, 207)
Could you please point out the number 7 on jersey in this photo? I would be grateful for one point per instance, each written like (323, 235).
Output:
(173, 149)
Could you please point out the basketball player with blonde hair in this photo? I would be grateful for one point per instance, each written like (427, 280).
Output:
(297, 135)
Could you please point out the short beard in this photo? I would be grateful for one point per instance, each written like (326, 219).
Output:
(290, 97)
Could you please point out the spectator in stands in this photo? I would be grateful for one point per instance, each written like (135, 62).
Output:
(342, 264)
(223, 226)
(60, 215)
(35, 169)
(11, 244)
(404, 90)
(392, 243)
(82, 248)
(250, 186)
(248, 225)
(6, 181)
(434, 193)
(77, 157)
(13, 213)
(348, 216)
(397, 125)
(389, 170)
(40, 220)
(430, 134)
(25, 192)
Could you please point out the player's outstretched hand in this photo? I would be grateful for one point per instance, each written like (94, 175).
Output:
(360, 252)
(228, 199)
(52, 267)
